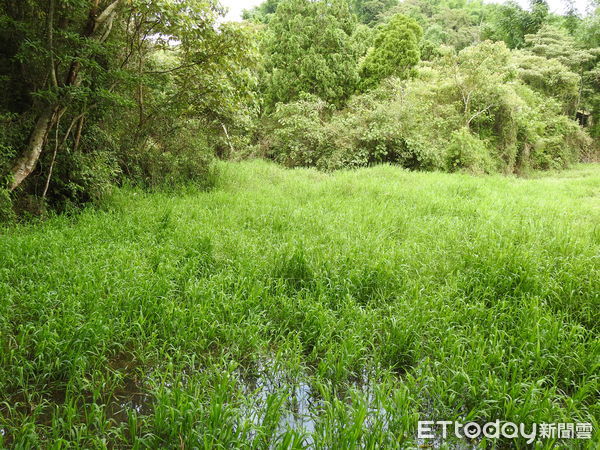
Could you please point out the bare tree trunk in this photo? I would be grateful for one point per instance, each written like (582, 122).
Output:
(228, 139)
(51, 44)
(78, 134)
(26, 163)
(53, 158)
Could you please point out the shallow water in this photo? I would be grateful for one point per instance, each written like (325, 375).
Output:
(302, 406)
(130, 397)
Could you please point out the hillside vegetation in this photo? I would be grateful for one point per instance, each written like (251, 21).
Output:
(105, 93)
(299, 307)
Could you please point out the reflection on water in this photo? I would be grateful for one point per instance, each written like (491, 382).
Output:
(302, 407)
(131, 396)
(299, 404)
(271, 399)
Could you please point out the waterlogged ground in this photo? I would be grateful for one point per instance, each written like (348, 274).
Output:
(296, 308)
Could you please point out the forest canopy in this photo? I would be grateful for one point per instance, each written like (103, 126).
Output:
(101, 93)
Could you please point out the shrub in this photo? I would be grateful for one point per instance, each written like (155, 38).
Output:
(373, 130)
(10, 135)
(7, 213)
(297, 134)
(467, 152)
(172, 159)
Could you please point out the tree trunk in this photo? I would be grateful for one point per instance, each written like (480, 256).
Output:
(228, 139)
(26, 163)
(53, 159)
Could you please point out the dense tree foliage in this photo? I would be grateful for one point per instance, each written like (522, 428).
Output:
(99, 92)
(370, 11)
(104, 90)
(464, 111)
(510, 23)
(395, 51)
(475, 105)
(454, 23)
(261, 13)
(309, 50)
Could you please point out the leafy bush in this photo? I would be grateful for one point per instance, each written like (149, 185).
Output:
(92, 176)
(10, 135)
(7, 213)
(79, 174)
(375, 129)
(297, 134)
(467, 152)
(166, 161)
(566, 143)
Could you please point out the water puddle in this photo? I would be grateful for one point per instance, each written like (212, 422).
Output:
(266, 380)
(274, 398)
(131, 395)
(302, 406)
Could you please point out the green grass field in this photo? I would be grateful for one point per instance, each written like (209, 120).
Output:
(298, 308)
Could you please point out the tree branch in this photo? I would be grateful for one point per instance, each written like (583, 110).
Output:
(478, 113)
(103, 17)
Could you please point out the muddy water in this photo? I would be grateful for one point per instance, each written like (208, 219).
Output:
(131, 396)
